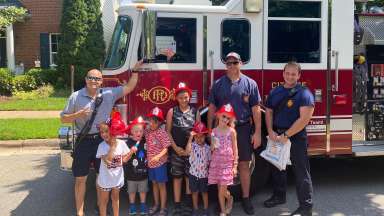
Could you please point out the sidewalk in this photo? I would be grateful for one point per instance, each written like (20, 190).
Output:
(29, 114)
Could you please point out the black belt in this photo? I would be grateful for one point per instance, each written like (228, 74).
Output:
(242, 123)
(92, 136)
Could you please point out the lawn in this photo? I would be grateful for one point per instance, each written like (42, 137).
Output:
(51, 103)
(16, 129)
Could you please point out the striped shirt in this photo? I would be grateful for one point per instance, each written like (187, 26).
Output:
(157, 141)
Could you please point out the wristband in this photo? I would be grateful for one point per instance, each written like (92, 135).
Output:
(285, 134)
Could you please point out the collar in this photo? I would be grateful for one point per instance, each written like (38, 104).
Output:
(237, 81)
(84, 92)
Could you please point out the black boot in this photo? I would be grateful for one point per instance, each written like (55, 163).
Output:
(274, 201)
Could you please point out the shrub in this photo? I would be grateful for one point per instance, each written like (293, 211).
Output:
(5, 82)
(42, 92)
(43, 76)
(24, 83)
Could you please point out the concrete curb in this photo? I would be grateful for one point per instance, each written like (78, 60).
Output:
(30, 144)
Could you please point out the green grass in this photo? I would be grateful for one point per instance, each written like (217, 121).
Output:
(16, 129)
(51, 103)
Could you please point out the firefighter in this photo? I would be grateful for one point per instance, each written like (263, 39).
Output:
(79, 110)
(288, 110)
(243, 94)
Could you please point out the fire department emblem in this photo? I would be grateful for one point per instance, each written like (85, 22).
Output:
(289, 103)
(157, 95)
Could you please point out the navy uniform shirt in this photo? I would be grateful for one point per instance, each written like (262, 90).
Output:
(290, 112)
(242, 94)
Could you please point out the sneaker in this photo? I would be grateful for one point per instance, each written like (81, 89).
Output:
(195, 212)
(163, 212)
(247, 206)
(205, 212)
(186, 209)
(143, 209)
(132, 209)
(274, 201)
(302, 212)
(229, 205)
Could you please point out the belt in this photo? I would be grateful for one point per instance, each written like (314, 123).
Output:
(241, 123)
(92, 136)
(279, 130)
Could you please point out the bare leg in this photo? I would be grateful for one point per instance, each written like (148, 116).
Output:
(222, 189)
(103, 201)
(155, 187)
(163, 195)
(80, 187)
(143, 196)
(205, 199)
(132, 198)
(195, 200)
(115, 201)
(177, 189)
(187, 190)
(245, 178)
(97, 191)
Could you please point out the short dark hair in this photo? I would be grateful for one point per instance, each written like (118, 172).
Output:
(293, 64)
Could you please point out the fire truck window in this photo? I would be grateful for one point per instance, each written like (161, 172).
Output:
(236, 38)
(175, 40)
(294, 40)
(118, 48)
(294, 9)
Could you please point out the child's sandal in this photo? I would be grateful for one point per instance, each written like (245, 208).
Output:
(163, 212)
(153, 210)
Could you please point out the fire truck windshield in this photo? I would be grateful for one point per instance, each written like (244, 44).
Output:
(118, 47)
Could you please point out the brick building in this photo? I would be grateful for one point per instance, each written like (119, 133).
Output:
(35, 39)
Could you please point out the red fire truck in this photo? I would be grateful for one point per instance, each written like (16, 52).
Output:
(185, 42)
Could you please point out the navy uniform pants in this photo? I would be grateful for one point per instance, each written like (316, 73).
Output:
(301, 168)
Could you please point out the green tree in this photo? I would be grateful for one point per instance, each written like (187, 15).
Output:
(82, 43)
(12, 14)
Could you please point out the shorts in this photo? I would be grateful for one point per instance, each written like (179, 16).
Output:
(140, 186)
(84, 155)
(179, 165)
(244, 144)
(109, 189)
(158, 174)
(198, 184)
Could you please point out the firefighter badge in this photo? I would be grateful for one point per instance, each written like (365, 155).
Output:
(289, 103)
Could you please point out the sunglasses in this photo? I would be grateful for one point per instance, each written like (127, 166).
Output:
(92, 78)
(229, 63)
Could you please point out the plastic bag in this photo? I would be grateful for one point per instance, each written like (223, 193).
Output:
(277, 154)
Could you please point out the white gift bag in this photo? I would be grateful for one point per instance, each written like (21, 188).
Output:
(277, 153)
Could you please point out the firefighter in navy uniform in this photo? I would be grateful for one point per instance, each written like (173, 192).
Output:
(289, 109)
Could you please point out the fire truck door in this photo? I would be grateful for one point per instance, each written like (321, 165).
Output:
(340, 78)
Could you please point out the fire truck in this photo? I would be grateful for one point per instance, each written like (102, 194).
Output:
(182, 41)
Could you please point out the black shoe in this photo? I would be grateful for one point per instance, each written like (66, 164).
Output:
(302, 212)
(177, 211)
(247, 206)
(274, 201)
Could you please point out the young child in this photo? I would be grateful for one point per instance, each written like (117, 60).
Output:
(199, 157)
(112, 152)
(136, 168)
(180, 120)
(224, 161)
(157, 153)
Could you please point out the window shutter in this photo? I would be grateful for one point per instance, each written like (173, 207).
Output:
(44, 50)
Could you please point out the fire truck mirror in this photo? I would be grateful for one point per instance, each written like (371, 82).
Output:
(149, 34)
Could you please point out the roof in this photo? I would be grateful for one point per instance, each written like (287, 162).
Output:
(8, 3)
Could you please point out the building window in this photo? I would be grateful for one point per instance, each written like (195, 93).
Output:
(294, 31)
(54, 39)
(236, 38)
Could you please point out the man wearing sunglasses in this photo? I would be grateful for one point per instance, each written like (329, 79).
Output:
(78, 110)
(243, 94)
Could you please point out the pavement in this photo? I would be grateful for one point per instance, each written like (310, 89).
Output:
(30, 144)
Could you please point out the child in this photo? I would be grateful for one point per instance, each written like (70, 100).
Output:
(157, 154)
(180, 120)
(136, 167)
(112, 152)
(224, 161)
(199, 157)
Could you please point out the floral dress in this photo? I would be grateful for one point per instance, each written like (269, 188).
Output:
(221, 167)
